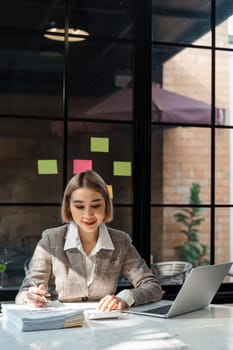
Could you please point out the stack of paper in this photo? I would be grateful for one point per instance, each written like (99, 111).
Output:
(28, 318)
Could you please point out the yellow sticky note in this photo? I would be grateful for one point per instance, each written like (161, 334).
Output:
(110, 191)
(99, 144)
(122, 168)
(47, 166)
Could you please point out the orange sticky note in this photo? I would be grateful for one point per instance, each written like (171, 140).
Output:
(110, 191)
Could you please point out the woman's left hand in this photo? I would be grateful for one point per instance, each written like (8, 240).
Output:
(111, 302)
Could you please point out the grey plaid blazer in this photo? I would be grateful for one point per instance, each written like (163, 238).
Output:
(64, 271)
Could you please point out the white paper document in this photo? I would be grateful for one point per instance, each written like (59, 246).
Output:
(53, 316)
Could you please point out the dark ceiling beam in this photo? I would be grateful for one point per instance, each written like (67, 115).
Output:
(179, 13)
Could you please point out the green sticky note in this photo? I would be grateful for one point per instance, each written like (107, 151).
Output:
(122, 168)
(47, 166)
(99, 144)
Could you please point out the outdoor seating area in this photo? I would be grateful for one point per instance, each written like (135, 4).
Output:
(172, 272)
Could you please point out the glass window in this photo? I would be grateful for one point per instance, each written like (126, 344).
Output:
(177, 161)
(31, 65)
(106, 148)
(104, 72)
(20, 229)
(183, 95)
(223, 161)
(104, 18)
(224, 12)
(68, 105)
(173, 237)
(224, 85)
(179, 21)
(32, 167)
(223, 239)
(122, 219)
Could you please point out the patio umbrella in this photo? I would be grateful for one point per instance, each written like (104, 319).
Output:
(167, 107)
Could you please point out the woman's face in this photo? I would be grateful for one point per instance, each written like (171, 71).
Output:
(87, 209)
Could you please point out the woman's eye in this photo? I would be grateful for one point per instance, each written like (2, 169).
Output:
(81, 207)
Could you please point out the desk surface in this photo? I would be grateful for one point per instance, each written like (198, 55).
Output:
(207, 329)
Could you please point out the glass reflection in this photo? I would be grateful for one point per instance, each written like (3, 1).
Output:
(177, 239)
(27, 141)
(224, 84)
(180, 157)
(223, 166)
(224, 12)
(100, 85)
(120, 141)
(20, 230)
(223, 235)
(185, 95)
(179, 21)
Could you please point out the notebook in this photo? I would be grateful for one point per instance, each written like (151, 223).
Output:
(196, 293)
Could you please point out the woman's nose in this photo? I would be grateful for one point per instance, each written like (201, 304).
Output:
(88, 212)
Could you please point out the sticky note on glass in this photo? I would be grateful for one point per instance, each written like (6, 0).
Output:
(99, 144)
(80, 165)
(110, 191)
(47, 166)
(122, 168)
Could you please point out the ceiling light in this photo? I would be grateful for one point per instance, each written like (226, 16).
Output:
(77, 19)
(58, 34)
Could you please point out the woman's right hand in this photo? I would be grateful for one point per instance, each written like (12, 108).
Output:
(37, 296)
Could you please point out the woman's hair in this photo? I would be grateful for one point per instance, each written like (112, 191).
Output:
(87, 179)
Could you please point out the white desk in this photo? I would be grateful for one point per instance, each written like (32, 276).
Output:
(208, 329)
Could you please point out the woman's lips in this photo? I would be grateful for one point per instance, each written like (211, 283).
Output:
(88, 223)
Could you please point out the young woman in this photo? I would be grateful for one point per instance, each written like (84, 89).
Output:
(83, 259)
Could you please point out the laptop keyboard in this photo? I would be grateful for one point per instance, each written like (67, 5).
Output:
(159, 310)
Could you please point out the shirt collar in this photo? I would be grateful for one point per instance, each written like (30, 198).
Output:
(73, 240)
(71, 236)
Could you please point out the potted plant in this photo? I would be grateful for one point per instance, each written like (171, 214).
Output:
(192, 250)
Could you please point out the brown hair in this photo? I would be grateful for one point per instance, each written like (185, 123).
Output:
(87, 179)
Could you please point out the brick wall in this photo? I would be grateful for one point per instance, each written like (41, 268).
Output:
(186, 151)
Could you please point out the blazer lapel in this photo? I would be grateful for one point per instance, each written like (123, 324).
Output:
(76, 267)
(102, 261)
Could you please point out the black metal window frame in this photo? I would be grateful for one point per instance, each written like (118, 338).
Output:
(141, 126)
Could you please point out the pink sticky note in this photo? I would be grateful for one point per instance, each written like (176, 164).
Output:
(80, 165)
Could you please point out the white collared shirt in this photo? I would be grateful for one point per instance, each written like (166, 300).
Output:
(104, 242)
(73, 241)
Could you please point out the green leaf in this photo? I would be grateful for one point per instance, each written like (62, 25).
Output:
(2, 267)
(192, 250)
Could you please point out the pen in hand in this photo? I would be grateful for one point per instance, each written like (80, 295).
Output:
(41, 292)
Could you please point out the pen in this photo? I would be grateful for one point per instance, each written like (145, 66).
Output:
(46, 298)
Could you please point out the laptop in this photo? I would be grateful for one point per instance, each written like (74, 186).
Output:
(196, 293)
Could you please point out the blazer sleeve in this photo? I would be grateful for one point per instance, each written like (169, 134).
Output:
(146, 285)
(39, 268)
